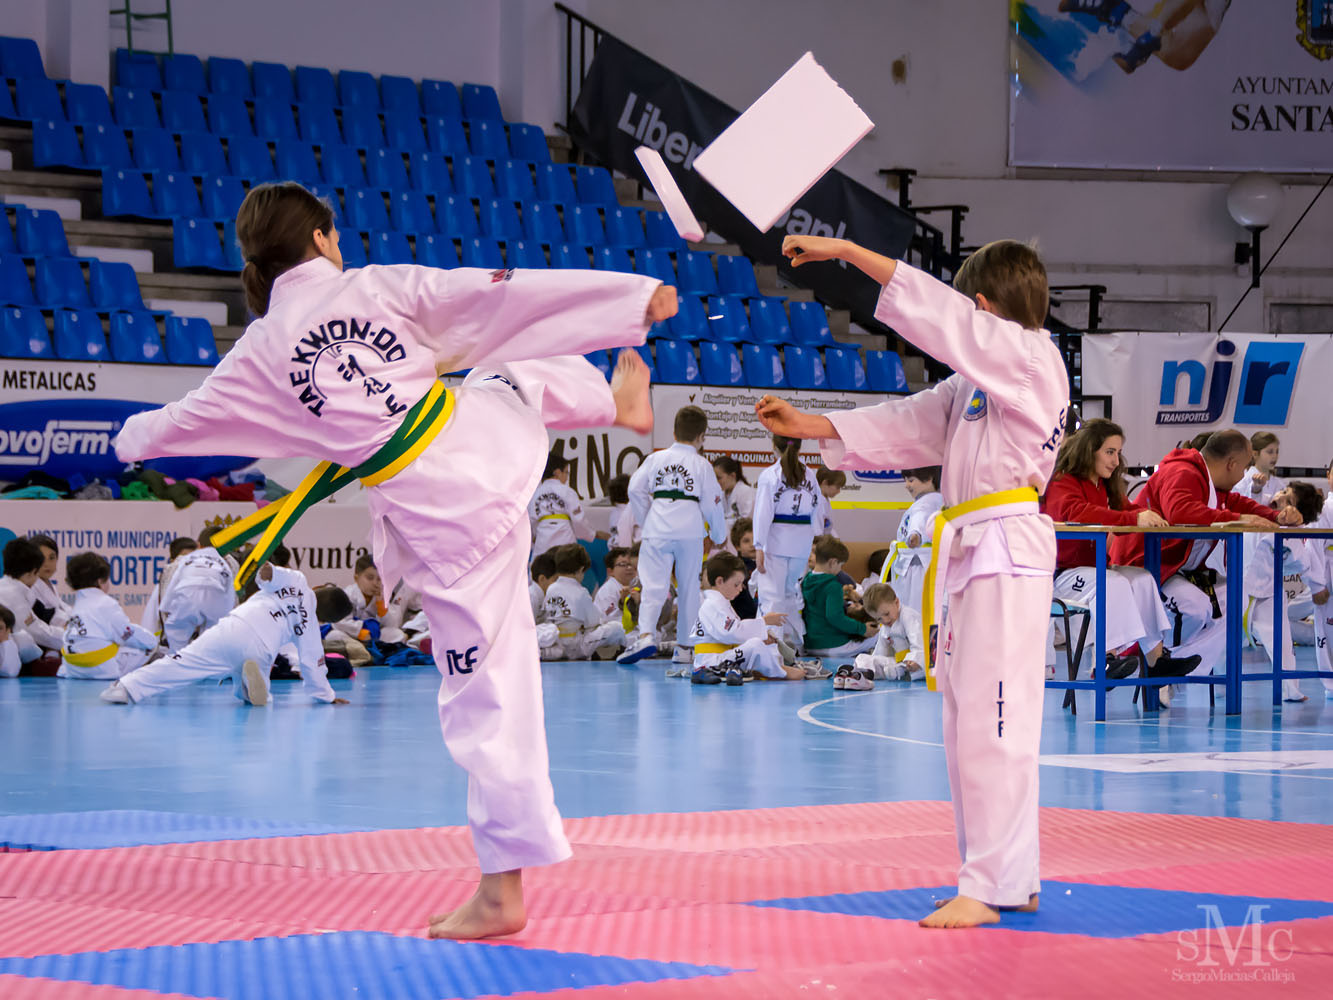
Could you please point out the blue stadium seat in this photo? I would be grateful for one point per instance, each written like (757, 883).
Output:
(175, 196)
(182, 112)
(114, 285)
(513, 179)
(499, 219)
(250, 158)
(763, 367)
(624, 227)
(319, 124)
(229, 76)
(20, 58)
(884, 372)
(7, 244)
(488, 139)
(23, 334)
(595, 186)
(125, 192)
(358, 90)
(365, 210)
(41, 233)
(201, 153)
(472, 176)
(79, 335)
(135, 108)
(398, 93)
(570, 256)
(409, 212)
(481, 102)
(272, 81)
(333, 198)
(15, 288)
(768, 320)
(645, 353)
(554, 183)
(341, 166)
(138, 69)
(361, 127)
(528, 142)
(87, 104)
(661, 232)
(440, 98)
(314, 85)
(60, 282)
(195, 243)
(155, 149)
(390, 248)
(676, 363)
(183, 73)
(600, 361)
(845, 373)
(296, 161)
(482, 251)
(190, 341)
(352, 248)
(455, 215)
(228, 115)
(274, 120)
(584, 225)
(525, 253)
(655, 264)
(611, 259)
(105, 146)
(39, 100)
(134, 339)
(385, 169)
(690, 321)
(541, 222)
(446, 135)
(231, 247)
(430, 173)
(436, 251)
(7, 110)
(55, 144)
(402, 131)
(727, 320)
(809, 324)
(804, 368)
(695, 271)
(735, 276)
(222, 196)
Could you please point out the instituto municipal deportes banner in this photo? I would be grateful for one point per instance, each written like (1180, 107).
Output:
(1165, 388)
(1172, 84)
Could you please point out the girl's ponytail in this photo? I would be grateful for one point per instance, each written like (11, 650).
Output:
(789, 448)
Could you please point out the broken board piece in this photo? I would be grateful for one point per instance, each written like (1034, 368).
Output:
(669, 193)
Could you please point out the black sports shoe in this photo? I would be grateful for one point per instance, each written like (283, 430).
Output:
(1174, 666)
(1120, 667)
(705, 675)
(734, 677)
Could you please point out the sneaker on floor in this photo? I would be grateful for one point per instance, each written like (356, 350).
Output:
(682, 654)
(842, 676)
(641, 650)
(114, 694)
(1174, 666)
(705, 675)
(734, 677)
(677, 671)
(860, 680)
(256, 691)
(1120, 667)
(815, 670)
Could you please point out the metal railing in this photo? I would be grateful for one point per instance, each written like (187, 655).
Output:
(131, 17)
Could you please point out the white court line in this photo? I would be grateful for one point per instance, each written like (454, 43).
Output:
(1171, 727)
(805, 714)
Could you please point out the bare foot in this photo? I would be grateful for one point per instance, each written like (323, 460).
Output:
(495, 909)
(629, 388)
(961, 911)
(1029, 907)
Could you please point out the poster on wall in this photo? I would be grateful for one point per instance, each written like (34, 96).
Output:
(1164, 388)
(1172, 84)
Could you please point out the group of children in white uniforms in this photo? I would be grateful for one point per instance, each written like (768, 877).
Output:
(556, 510)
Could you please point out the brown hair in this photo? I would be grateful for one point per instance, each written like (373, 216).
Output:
(827, 547)
(572, 559)
(87, 569)
(543, 566)
(731, 467)
(1262, 440)
(1078, 454)
(738, 530)
(1013, 279)
(835, 476)
(1307, 500)
(925, 474)
(793, 472)
(722, 566)
(274, 227)
(877, 595)
(691, 424)
(363, 563)
(180, 546)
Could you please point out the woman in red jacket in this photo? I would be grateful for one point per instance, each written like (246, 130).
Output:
(1088, 487)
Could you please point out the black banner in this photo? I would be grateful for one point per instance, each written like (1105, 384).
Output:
(628, 100)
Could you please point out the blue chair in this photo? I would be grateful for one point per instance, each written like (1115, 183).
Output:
(584, 225)
(430, 173)
(333, 197)
(222, 196)
(23, 334)
(385, 170)
(735, 276)
(87, 104)
(182, 112)
(809, 324)
(175, 196)
(228, 115)
(409, 212)
(528, 142)
(361, 127)
(20, 58)
(541, 222)
(55, 144)
(655, 264)
(365, 210)
(7, 244)
(41, 233)
(105, 146)
(455, 216)
(190, 341)
(488, 139)
(727, 320)
(884, 372)
(134, 339)
(39, 100)
(525, 253)
(138, 69)
(472, 176)
(499, 219)
(662, 232)
(570, 256)
(768, 320)
(624, 227)
(647, 356)
(155, 149)
(445, 135)
(352, 248)
(436, 251)
(690, 321)
(611, 259)
(804, 368)
(845, 373)
(314, 85)
(296, 161)
(319, 124)
(695, 271)
(676, 363)
(600, 361)
(595, 186)
(513, 179)
(440, 98)
(358, 90)
(390, 248)
(763, 367)
(402, 131)
(79, 335)
(554, 183)
(201, 153)
(399, 93)
(183, 73)
(7, 110)
(15, 289)
(135, 108)
(231, 247)
(274, 120)
(272, 81)
(481, 102)
(125, 193)
(482, 251)
(194, 243)
(114, 285)
(341, 166)
(250, 158)
(60, 283)
(229, 76)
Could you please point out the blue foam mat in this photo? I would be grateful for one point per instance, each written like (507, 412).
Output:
(348, 964)
(135, 827)
(1105, 911)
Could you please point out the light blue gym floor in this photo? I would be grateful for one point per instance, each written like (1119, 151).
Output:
(632, 741)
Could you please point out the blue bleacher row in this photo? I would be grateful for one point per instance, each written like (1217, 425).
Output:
(79, 335)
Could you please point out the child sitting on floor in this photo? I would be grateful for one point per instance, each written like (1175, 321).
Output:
(899, 652)
(543, 575)
(579, 628)
(727, 647)
(828, 629)
(101, 643)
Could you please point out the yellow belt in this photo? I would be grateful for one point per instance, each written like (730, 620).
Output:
(553, 517)
(567, 635)
(988, 506)
(95, 658)
(713, 647)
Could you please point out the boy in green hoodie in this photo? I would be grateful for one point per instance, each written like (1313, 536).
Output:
(828, 629)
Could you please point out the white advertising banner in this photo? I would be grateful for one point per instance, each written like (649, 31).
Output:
(1165, 388)
(1172, 84)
